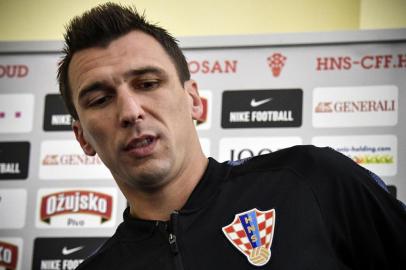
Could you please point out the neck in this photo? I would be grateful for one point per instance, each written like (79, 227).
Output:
(159, 204)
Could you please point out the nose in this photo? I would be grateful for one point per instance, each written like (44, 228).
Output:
(129, 109)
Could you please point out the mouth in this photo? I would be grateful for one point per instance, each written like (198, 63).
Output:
(141, 146)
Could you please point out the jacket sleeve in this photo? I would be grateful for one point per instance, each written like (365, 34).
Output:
(366, 224)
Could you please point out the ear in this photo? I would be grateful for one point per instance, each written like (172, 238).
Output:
(196, 105)
(78, 130)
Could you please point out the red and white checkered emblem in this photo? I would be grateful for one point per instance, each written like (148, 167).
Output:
(251, 232)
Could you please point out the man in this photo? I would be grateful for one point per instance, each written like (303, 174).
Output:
(127, 85)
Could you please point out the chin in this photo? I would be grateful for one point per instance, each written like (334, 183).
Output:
(151, 179)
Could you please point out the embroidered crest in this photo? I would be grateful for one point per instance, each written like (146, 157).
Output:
(251, 232)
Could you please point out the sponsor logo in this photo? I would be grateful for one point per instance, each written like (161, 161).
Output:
(213, 66)
(16, 112)
(13, 71)
(254, 103)
(377, 153)
(80, 201)
(76, 208)
(68, 251)
(246, 147)
(56, 117)
(14, 160)
(12, 201)
(355, 106)
(59, 157)
(10, 253)
(366, 62)
(262, 108)
(251, 233)
(204, 122)
(63, 253)
(276, 62)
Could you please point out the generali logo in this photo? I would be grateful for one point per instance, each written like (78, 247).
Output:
(76, 207)
(354, 106)
(65, 159)
(16, 112)
(13, 71)
(276, 62)
(10, 253)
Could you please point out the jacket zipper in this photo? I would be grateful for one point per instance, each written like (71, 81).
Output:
(173, 242)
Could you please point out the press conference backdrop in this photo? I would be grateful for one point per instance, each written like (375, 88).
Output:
(261, 94)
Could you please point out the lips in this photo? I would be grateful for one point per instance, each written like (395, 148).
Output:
(141, 146)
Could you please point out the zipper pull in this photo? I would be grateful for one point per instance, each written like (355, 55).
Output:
(173, 244)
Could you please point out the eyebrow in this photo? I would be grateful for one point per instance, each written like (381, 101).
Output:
(101, 85)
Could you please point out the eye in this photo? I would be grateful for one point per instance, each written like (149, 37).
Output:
(148, 84)
(99, 101)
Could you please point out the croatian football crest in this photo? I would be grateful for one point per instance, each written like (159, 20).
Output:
(251, 232)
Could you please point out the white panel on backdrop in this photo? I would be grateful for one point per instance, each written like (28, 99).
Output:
(13, 204)
(239, 148)
(377, 153)
(16, 112)
(355, 106)
(65, 160)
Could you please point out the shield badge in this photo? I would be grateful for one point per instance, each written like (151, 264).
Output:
(251, 233)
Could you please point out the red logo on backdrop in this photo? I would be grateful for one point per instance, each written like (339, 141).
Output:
(76, 202)
(203, 118)
(8, 255)
(13, 71)
(276, 62)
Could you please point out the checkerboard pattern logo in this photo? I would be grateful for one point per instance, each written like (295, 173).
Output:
(251, 233)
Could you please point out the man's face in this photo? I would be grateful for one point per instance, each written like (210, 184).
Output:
(133, 111)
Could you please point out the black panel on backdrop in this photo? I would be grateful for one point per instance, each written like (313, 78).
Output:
(262, 108)
(63, 253)
(56, 116)
(14, 160)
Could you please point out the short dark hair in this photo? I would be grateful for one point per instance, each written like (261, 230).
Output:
(101, 25)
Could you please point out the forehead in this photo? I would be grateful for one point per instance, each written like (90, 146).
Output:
(132, 51)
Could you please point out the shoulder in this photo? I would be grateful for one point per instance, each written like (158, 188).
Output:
(97, 259)
(305, 160)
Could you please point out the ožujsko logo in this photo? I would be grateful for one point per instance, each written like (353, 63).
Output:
(76, 202)
(8, 255)
(276, 62)
(251, 233)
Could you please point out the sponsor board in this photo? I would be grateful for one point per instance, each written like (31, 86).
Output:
(16, 113)
(76, 208)
(262, 108)
(10, 253)
(205, 144)
(63, 253)
(245, 147)
(65, 159)
(355, 106)
(204, 122)
(13, 204)
(377, 153)
(56, 116)
(14, 160)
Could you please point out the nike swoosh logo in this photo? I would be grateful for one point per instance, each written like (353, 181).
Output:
(255, 103)
(66, 251)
